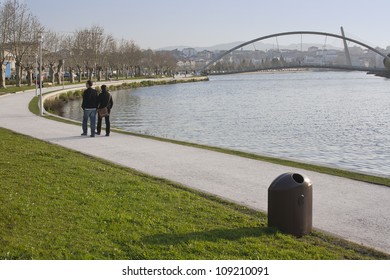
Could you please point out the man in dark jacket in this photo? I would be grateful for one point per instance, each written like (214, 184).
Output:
(104, 100)
(89, 106)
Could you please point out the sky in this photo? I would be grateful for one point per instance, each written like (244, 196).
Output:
(201, 23)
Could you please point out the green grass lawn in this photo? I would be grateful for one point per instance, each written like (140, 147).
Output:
(13, 89)
(60, 204)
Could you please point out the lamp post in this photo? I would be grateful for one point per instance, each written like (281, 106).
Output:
(40, 40)
(35, 73)
(63, 74)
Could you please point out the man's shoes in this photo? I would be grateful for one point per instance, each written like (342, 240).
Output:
(108, 134)
(97, 133)
(93, 135)
(83, 134)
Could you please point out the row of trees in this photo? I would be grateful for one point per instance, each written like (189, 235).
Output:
(18, 37)
(88, 52)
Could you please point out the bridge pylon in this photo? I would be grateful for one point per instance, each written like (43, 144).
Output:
(346, 50)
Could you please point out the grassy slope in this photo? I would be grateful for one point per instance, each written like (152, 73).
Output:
(59, 204)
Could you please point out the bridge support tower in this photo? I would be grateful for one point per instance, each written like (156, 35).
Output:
(346, 50)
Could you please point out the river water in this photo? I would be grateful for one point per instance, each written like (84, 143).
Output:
(337, 119)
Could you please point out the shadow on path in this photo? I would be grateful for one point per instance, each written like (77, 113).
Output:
(67, 138)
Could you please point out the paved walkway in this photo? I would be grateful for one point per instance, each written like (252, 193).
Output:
(356, 211)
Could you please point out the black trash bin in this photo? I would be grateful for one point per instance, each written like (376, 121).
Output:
(290, 204)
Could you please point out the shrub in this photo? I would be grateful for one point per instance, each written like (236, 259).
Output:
(54, 105)
(64, 97)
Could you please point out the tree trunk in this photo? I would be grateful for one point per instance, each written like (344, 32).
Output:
(90, 74)
(29, 76)
(79, 77)
(59, 72)
(2, 75)
(107, 77)
(18, 74)
(71, 78)
(99, 73)
(51, 73)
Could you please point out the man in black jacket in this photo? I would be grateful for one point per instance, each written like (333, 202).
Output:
(89, 106)
(104, 100)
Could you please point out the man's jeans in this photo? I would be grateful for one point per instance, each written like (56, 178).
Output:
(89, 113)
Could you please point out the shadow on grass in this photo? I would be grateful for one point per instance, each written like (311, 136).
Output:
(212, 235)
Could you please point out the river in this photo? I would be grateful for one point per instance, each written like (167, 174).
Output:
(337, 119)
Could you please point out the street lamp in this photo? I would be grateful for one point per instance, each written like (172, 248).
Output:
(35, 73)
(63, 74)
(40, 40)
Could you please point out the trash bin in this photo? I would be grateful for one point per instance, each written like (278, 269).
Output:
(290, 204)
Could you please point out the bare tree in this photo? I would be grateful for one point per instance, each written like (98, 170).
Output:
(70, 56)
(89, 50)
(107, 47)
(148, 61)
(165, 63)
(5, 15)
(86, 49)
(77, 47)
(113, 59)
(105, 44)
(52, 45)
(29, 64)
(93, 49)
(23, 30)
(131, 57)
(158, 63)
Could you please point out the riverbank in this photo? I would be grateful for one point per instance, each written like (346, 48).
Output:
(54, 104)
(355, 210)
(372, 179)
(65, 96)
(324, 118)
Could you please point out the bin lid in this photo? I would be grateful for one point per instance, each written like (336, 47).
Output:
(290, 180)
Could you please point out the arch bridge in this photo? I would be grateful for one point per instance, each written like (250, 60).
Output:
(382, 71)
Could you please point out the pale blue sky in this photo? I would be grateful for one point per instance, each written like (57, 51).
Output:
(198, 23)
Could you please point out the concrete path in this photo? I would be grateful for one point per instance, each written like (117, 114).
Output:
(356, 211)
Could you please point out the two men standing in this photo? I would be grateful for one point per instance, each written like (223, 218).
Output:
(91, 101)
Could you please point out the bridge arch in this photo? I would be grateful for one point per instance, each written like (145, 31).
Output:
(386, 58)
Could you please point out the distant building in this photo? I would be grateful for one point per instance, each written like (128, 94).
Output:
(8, 71)
(10, 63)
(186, 65)
(206, 55)
(189, 52)
(312, 49)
